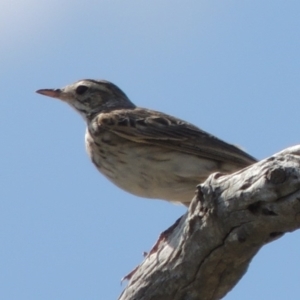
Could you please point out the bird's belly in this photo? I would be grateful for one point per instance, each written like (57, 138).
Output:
(149, 171)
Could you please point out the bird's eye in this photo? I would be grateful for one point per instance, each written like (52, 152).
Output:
(81, 89)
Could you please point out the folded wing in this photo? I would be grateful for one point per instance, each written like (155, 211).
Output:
(155, 128)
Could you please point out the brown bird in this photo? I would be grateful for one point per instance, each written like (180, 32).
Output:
(145, 152)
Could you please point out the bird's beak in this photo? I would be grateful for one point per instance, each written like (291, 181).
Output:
(54, 93)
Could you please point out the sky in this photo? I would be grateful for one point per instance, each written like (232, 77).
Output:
(229, 67)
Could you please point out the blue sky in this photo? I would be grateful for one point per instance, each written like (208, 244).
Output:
(229, 67)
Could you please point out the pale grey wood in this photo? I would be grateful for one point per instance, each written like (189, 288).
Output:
(231, 217)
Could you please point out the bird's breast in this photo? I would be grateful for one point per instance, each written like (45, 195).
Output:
(147, 170)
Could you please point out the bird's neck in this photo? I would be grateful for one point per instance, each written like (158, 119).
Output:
(92, 114)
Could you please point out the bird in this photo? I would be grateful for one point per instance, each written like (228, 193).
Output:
(147, 153)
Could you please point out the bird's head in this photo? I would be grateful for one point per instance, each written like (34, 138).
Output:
(90, 97)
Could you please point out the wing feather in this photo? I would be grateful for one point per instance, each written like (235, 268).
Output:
(155, 128)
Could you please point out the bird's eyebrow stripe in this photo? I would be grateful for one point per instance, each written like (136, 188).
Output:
(111, 85)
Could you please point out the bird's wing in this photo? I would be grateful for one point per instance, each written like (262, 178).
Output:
(155, 128)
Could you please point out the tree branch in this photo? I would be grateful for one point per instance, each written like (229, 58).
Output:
(208, 250)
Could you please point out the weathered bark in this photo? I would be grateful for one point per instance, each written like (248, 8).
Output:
(208, 250)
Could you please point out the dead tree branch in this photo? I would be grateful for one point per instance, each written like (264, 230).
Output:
(209, 249)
